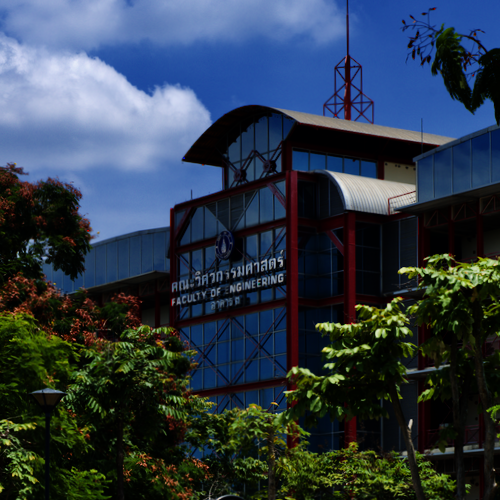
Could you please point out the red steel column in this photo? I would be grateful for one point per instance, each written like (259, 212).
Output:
(292, 270)
(173, 268)
(349, 296)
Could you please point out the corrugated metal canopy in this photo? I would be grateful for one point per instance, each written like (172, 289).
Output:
(363, 194)
(308, 127)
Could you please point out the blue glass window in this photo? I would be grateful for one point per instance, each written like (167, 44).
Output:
(335, 163)
(369, 169)
(262, 135)
(147, 253)
(100, 265)
(481, 160)
(275, 131)
(317, 162)
(351, 166)
(90, 269)
(135, 256)
(425, 179)
(123, 258)
(300, 160)
(461, 167)
(160, 252)
(266, 205)
(111, 262)
(495, 155)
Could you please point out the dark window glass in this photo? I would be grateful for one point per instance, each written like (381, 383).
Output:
(317, 162)
(300, 160)
(197, 335)
(178, 217)
(100, 265)
(279, 209)
(223, 214)
(197, 260)
(247, 141)
(67, 283)
(160, 252)
(57, 279)
(89, 280)
(442, 173)
(184, 265)
(123, 257)
(186, 236)
(78, 283)
(351, 166)
(197, 225)
(335, 163)
(369, 169)
(250, 170)
(252, 249)
(461, 167)
(307, 199)
(135, 255)
(230, 177)
(266, 242)
(495, 155)
(287, 125)
(266, 205)
(235, 150)
(237, 212)
(111, 261)
(481, 160)
(261, 135)
(275, 131)
(147, 253)
(252, 212)
(425, 179)
(210, 220)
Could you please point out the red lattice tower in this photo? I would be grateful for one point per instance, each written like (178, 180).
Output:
(349, 96)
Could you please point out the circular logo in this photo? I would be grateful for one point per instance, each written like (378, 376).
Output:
(224, 245)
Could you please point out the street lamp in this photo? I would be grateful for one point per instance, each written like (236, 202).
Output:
(47, 399)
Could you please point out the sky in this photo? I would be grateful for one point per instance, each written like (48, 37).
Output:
(110, 94)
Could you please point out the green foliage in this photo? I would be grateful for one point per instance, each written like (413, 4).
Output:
(363, 364)
(457, 64)
(45, 362)
(449, 62)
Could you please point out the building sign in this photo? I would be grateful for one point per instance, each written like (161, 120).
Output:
(224, 289)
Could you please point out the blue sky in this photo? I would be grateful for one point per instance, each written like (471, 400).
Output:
(109, 94)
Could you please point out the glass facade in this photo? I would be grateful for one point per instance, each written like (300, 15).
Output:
(238, 350)
(118, 258)
(308, 161)
(470, 163)
(250, 145)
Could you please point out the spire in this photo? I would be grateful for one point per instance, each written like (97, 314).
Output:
(350, 85)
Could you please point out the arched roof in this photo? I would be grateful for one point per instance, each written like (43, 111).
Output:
(208, 147)
(364, 194)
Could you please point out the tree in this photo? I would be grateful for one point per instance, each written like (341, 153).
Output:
(40, 222)
(43, 361)
(131, 394)
(460, 307)
(457, 64)
(350, 473)
(364, 365)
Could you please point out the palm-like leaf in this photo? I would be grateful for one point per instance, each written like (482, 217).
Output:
(449, 61)
(487, 84)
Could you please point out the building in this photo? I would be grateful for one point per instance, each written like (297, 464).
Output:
(315, 215)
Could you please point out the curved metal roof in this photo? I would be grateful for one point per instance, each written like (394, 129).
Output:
(208, 147)
(364, 194)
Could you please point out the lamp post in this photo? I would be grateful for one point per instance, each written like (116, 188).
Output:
(47, 399)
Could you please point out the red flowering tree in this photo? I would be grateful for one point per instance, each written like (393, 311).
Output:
(40, 222)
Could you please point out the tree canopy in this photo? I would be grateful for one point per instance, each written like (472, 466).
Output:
(459, 64)
(40, 222)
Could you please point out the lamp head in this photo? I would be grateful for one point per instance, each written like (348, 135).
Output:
(47, 398)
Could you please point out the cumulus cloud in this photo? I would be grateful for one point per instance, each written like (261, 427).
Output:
(73, 112)
(89, 24)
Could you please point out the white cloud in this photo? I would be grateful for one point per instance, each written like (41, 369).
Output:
(73, 112)
(89, 24)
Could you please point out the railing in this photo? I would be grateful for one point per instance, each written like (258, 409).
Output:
(401, 200)
(472, 436)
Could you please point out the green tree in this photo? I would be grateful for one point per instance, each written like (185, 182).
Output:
(30, 360)
(364, 365)
(131, 394)
(461, 309)
(457, 64)
(40, 222)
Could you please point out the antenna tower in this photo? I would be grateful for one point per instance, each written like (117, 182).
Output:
(349, 96)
